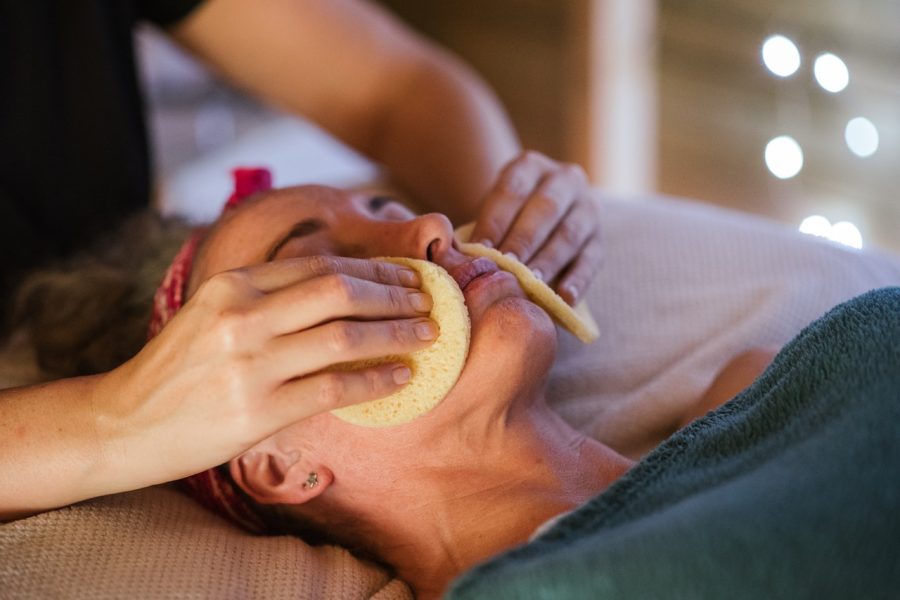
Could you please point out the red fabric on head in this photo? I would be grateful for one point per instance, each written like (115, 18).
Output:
(169, 295)
(248, 181)
(210, 488)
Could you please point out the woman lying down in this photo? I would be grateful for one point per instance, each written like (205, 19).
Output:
(789, 489)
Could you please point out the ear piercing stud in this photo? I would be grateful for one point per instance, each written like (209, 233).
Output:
(311, 481)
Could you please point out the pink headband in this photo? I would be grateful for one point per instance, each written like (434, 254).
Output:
(210, 488)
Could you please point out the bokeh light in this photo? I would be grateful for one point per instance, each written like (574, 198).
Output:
(831, 73)
(861, 136)
(816, 225)
(842, 232)
(781, 56)
(784, 157)
(846, 233)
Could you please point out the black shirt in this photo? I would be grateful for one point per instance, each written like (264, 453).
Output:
(73, 147)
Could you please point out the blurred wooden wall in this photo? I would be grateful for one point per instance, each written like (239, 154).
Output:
(671, 95)
(720, 106)
(520, 47)
(575, 75)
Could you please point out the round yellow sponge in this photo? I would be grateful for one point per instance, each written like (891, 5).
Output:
(435, 369)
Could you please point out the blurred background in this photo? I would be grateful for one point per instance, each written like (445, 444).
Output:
(790, 110)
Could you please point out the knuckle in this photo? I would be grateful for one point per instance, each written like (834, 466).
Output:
(401, 332)
(397, 299)
(332, 388)
(375, 382)
(546, 206)
(340, 287)
(322, 264)
(575, 171)
(514, 183)
(224, 285)
(342, 336)
(495, 224)
(569, 233)
(532, 156)
(381, 271)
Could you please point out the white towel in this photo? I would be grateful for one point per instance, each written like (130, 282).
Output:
(683, 289)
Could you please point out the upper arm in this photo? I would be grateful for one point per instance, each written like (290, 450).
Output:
(337, 62)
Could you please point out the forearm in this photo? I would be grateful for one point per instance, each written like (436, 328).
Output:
(50, 453)
(447, 142)
(355, 70)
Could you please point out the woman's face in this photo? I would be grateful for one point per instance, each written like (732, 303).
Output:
(513, 341)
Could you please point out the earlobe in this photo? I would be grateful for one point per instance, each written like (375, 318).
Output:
(276, 479)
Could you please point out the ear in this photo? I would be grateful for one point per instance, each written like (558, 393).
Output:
(273, 477)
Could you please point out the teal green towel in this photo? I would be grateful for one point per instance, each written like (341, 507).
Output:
(791, 490)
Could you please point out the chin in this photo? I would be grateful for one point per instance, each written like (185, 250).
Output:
(513, 343)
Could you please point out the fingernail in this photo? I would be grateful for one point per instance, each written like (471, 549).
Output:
(538, 274)
(487, 242)
(513, 256)
(421, 302)
(572, 291)
(409, 278)
(426, 330)
(401, 374)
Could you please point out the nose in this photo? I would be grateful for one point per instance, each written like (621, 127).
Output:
(431, 237)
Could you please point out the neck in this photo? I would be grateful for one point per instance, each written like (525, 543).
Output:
(470, 508)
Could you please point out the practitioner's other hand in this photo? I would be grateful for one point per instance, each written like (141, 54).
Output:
(246, 355)
(545, 213)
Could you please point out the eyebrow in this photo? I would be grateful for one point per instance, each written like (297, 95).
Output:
(303, 228)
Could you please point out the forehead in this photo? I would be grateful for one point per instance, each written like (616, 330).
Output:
(241, 237)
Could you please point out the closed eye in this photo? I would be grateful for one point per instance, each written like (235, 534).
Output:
(388, 208)
(378, 202)
(301, 229)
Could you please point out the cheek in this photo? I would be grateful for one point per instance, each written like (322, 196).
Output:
(345, 447)
(311, 436)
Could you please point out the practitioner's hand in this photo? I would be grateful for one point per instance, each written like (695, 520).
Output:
(245, 356)
(546, 214)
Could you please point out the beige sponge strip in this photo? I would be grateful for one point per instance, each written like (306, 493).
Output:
(577, 321)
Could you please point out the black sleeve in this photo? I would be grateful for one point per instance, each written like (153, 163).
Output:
(21, 249)
(166, 12)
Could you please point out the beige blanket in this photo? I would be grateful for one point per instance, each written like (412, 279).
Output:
(683, 288)
(155, 543)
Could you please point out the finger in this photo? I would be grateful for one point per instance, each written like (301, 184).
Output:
(309, 351)
(302, 398)
(281, 273)
(541, 213)
(335, 296)
(576, 279)
(566, 241)
(503, 202)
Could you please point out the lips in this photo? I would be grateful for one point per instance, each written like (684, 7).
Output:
(467, 272)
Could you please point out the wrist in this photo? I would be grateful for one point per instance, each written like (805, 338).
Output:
(111, 471)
